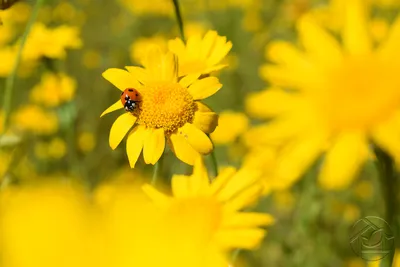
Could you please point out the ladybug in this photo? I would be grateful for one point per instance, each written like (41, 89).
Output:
(129, 98)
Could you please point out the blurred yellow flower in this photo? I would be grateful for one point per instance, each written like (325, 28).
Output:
(166, 108)
(200, 55)
(35, 119)
(379, 29)
(64, 12)
(56, 225)
(364, 190)
(86, 141)
(91, 59)
(231, 125)
(139, 47)
(51, 43)
(53, 90)
(7, 55)
(18, 13)
(194, 28)
(264, 160)
(202, 221)
(139, 7)
(57, 148)
(342, 98)
(6, 34)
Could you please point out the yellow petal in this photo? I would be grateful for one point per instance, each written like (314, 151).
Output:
(134, 144)
(207, 44)
(298, 156)
(343, 160)
(389, 49)
(196, 138)
(269, 103)
(176, 46)
(286, 54)
(320, 45)
(183, 150)
(117, 105)
(180, 186)
(204, 88)
(355, 34)
(154, 146)
(222, 179)
(206, 121)
(221, 49)
(239, 238)
(121, 79)
(119, 128)
(247, 220)
(161, 200)
(240, 181)
(199, 182)
(159, 66)
(139, 73)
(387, 136)
(245, 199)
(189, 79)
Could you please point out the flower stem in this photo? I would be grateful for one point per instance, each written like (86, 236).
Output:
(388, 178)
(156, 171)
(11, 78)
(179, 18)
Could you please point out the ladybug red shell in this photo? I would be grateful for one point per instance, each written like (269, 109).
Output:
(129, 98)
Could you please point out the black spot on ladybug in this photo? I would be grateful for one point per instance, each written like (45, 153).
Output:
(122, 93)
(130, 90)
(137, 95)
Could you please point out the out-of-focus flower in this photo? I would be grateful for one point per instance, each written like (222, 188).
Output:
(166, 109)
(6, 34)
(264, 160)
(193, 28)
(53, 90)
(7, 55)
(200, 55)
(35, 119)
(230, 126)
(364, 190)
(202, 221)
(91, 59)
(139, 7)
(57, 148)
(16, 14)
(57, 225)
(86, 141)
(51, 43)
(379, 29)
(64, 12)
(138, 49)
(342, 97)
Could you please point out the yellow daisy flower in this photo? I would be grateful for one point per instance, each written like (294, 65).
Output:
(200, 55)
(53, 90)
(207, 218)
(230, 126)
(34, 119)
(168, 108)
(343, 97)
(51, 43)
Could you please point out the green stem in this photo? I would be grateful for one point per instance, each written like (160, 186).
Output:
(388, 178)
(156, 171)
(235, 255)
(179, 18)
(11, 78)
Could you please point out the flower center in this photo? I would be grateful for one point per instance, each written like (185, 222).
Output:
(361, 93)
(168, 106)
